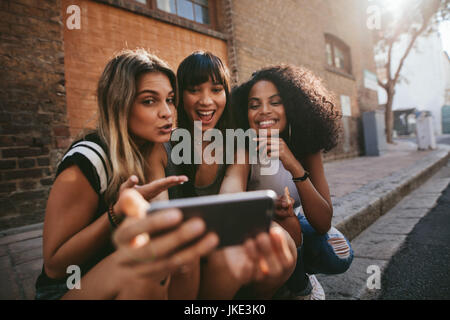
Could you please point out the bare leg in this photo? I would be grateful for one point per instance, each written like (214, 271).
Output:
(224, 272)
(185, 282)
(217, 282)
(266, 288)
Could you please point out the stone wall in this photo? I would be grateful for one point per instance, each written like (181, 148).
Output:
(33, 120)
(279, 31)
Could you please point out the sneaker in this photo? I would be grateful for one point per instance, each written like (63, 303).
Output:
(316, 293)
(313, 291)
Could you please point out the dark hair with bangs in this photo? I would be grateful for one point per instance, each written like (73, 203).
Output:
(310, 108)
(196, 69)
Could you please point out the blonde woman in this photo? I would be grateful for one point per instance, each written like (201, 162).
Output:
(103, 176)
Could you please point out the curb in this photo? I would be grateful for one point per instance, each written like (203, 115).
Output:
(13, 231)
(375, 247)
(355, 212)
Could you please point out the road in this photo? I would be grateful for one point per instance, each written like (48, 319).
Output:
(420, 269)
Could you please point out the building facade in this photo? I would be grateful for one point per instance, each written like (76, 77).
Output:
(52, 53)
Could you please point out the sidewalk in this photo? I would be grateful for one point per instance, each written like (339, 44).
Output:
(362, 189)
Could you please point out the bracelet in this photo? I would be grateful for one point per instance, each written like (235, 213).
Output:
(113, 219)
(305, 176)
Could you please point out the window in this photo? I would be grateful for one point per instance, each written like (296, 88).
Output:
(338, 54)
(195, 10)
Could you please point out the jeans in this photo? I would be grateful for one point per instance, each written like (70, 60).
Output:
(330, 253)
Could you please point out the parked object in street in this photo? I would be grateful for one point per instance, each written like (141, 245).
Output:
(425, 131)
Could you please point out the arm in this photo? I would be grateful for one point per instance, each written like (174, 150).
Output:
(235, 179)
(70, 234)
(314, 193)
(157, 161)
(135, 269)
(287, 219)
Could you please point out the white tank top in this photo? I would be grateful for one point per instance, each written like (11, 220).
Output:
(275, 182)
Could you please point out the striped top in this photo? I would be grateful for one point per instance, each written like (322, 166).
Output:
(91, 156)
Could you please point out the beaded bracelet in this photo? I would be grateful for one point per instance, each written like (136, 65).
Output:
(113, 219)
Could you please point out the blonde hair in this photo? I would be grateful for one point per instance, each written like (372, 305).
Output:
(116, 93)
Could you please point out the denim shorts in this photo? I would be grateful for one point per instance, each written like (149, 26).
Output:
(51, 291)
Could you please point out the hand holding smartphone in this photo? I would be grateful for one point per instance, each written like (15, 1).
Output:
(234, 217)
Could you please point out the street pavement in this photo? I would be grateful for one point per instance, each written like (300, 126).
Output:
(362, 189)
(420, 269)
(379, 243)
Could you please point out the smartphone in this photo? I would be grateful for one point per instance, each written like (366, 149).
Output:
(234, 216)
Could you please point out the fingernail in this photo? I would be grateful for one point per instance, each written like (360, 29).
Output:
(140, 240)
(213, 240)
(173, 216)
(264, 266)
(197, 226)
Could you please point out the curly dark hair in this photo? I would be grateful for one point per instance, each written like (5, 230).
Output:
(310, 108)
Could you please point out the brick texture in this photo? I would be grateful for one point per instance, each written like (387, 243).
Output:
(105, 30)
(49, 76)
(32, 109)
(49, 73)
(278, 31)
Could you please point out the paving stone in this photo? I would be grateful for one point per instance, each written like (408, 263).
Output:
(353, 283)
(20, 236)
(25, 245)
(3, 250)
(425, 202)
(26, 256)
(435, 186)
(395, 226)
(9, 289)
(29, 288)
(376, 246)
(30, 269)
(410, 213)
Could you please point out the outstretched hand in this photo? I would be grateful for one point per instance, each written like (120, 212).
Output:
(149, 190)
(141, 244)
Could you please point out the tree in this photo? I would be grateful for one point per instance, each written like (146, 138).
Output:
(413, 19)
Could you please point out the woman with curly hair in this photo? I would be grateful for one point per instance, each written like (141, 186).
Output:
(293, 102)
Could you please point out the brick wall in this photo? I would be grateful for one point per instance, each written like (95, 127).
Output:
(105, 29)
(49, 73)
(33, 124)
(49, 76)
(279, 31)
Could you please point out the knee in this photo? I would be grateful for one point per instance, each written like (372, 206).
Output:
(343, 252)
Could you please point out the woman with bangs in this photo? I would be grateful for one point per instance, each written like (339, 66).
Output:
(260, 265)
(102, 179)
